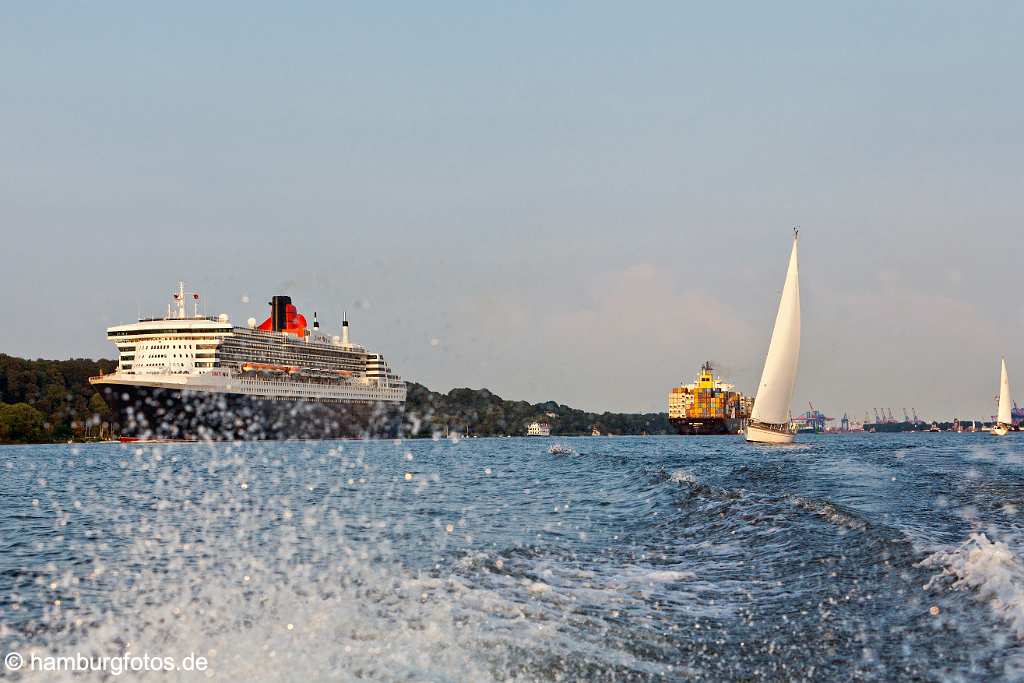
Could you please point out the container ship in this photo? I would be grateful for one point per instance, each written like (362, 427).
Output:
(708, 406)
(190, 377)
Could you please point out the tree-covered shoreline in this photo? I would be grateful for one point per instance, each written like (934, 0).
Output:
(44, 401)
(50, 400)
(479, 412)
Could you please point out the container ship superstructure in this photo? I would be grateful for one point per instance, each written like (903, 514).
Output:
(708, 406)
(201, 377)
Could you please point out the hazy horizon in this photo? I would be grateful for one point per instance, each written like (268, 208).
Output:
(578, 203)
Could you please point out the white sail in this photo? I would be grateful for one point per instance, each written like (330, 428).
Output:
(1004, 415)
(775, 392)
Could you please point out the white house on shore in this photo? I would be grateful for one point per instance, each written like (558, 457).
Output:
(538, 429)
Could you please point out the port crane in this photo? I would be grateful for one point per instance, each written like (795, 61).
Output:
(878, 420)
(916, 420)
(906, 417)
(814, 418)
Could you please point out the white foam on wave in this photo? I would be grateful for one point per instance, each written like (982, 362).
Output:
(830, 513)
(990, 569)
(561, 449)
(681, 476)
(350, 623)
(633, 576)
(668, 575)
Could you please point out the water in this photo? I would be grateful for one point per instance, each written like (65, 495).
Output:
(872, 557)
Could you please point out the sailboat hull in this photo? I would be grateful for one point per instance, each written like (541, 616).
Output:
(760, 435)
(999, 430)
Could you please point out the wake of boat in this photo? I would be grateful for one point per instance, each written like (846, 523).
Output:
(990, 569)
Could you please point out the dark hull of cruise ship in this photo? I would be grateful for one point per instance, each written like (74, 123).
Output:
(149, 413)
(692, 426)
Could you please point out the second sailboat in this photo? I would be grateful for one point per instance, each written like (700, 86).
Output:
(1004, 418)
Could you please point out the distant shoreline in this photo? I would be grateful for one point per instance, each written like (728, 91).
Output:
(51, 401)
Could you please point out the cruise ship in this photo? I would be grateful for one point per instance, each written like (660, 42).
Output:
(708, 406)
(191, 377)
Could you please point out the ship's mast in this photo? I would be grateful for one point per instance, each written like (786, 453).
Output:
(181, 300)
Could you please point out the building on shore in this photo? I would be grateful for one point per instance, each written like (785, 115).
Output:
(538, 429)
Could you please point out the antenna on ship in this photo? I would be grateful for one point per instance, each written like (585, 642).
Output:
(179, 297)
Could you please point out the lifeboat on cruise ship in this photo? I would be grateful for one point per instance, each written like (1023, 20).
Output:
(269, 367)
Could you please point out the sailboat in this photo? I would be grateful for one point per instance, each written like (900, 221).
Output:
(1004, 418)
(769, 420)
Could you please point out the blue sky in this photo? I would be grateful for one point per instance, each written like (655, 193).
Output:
(577, 201)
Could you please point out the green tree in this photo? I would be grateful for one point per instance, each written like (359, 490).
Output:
(98, 407)
(21, 423)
